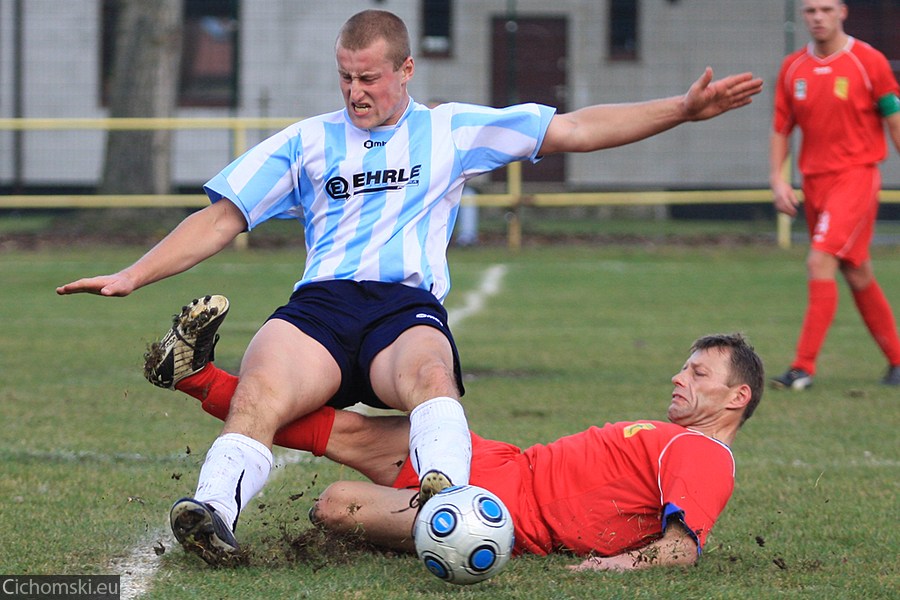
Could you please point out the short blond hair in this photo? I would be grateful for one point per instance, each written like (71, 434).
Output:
(365, 28)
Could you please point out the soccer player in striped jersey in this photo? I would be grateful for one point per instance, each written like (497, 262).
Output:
(376, 187)
(840, 92)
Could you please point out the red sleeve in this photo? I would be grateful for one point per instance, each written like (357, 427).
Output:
(883, 80)
(696, 475)
(783, 119)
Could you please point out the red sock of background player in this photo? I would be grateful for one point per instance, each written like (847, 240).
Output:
(215, 387)
(879, 318)
(820, 309)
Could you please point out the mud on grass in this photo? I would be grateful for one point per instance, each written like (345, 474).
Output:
(283, 536)
(289, 538)
(312, 547)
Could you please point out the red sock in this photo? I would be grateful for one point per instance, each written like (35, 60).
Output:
(215, 387)
(309, 433)
(879, 318)
(820, 309)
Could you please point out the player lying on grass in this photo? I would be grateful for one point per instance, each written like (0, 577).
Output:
(626, 495)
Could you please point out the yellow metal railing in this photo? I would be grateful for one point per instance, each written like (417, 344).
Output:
(513, 199)
(237, 125)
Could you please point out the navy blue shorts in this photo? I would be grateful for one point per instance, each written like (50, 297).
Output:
(357, 320)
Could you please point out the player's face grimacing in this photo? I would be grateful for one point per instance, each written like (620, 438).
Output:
(701, 388)
(374, 91)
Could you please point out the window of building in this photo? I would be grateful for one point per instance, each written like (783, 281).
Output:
(209, 61)
(623, 29)
(437, 28)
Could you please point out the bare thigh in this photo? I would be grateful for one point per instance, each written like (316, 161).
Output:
(418, 366)
(285, 374)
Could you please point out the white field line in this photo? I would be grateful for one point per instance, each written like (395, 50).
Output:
(489, 285)
(139, 568)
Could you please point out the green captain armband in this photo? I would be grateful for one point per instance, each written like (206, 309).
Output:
(889, 104)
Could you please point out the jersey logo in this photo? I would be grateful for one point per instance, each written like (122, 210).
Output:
(337, 188)
(822, 225)
(432, 317)
(370, 182)
(800, 89)
(636, 428)
(842, 87)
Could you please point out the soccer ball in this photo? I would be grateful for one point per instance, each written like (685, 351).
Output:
(464, 535)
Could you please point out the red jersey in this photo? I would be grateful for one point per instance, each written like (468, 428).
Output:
(604, 490)
(834, 101)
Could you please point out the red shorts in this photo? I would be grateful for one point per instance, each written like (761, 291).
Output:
(504, 470)
(841, 209)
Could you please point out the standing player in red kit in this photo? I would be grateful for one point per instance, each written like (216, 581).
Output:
(838, 91)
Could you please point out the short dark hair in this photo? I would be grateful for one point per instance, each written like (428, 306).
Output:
(365, 28)
(746, 365)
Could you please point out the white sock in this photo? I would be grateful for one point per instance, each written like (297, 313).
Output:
(235, 470)
(439, 439)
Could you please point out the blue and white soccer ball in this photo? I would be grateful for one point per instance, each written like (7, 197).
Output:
(464, 534)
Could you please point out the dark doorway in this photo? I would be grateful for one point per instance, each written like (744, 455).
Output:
(529, 65)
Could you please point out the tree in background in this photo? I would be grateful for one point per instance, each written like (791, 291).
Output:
(144, 83)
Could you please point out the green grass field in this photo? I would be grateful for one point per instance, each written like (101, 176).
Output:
(93, 456)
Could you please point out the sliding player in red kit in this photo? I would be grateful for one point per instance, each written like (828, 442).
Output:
(626, 495)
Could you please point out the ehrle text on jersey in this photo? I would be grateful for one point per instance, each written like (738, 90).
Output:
(370, 182)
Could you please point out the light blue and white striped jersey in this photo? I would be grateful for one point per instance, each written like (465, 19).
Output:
(379, 204)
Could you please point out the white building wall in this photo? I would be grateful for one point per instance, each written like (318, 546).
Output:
(6, 88)
(60, 46)
(677, 41)
(288, 70)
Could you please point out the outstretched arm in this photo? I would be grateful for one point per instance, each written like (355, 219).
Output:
(198, 237)
(609, 125)
(675, 548)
